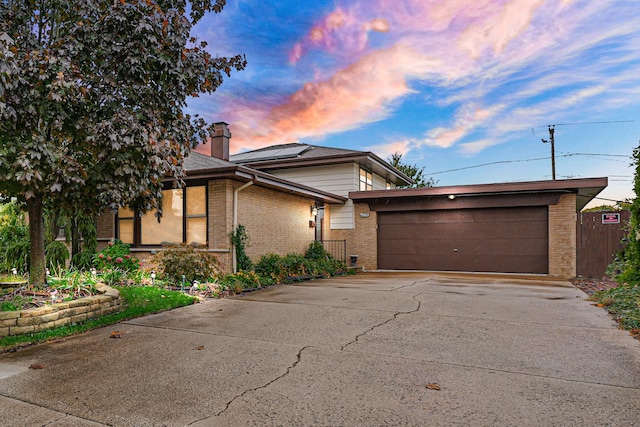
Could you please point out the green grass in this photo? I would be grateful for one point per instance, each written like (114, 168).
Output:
(137, 302)
(623, 303)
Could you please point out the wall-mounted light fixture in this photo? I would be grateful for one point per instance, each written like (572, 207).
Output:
(314, 210)
(452, 196)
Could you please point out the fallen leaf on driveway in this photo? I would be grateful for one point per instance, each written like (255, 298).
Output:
(433, 386)
(36, 366)
(200, 347)
(115, 334)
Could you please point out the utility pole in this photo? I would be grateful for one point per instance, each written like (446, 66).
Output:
(553, 151)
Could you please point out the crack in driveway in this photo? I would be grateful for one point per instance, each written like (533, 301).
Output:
(395, 316)
(230, 402)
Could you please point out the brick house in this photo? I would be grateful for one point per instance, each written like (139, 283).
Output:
(289, 195)
(217, 197)
(520, 227)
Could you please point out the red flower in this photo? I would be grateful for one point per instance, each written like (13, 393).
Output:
(101, 256)
(127, 256)
(108, 258)
(118, 260)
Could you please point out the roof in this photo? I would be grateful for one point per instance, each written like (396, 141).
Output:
(202, 167)
(584, 188)
(294, 155)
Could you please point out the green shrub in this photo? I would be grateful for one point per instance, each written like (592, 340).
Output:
(57, 255)
(113, 276)
(14, 239)
(174, 261)
(83, 260)
(240, 281)
(73, 284)
(240, 241)
(116, 255)
(282, 269)
(316, 251)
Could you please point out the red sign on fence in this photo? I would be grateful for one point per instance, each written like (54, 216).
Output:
(611, 218)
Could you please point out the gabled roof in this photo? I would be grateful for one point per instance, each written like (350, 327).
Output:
(200, 167)
(286, 156)
(585, 190)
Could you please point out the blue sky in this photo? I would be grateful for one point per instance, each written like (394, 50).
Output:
(465, 88)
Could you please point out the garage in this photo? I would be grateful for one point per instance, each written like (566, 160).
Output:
(510, 240)
(516, 227)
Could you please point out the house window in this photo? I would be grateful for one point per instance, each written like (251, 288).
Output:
(126, 221)
(196, 218)
(366, 180)
(184, 220)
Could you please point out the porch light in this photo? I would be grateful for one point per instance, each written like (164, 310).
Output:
(314, 210)
(452, 196)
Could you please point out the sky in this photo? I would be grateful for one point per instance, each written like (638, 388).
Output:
(466, 89)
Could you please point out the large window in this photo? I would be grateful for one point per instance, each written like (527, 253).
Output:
(366, 180)
(184, 219)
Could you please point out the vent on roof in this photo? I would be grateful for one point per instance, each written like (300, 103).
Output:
(273, 154)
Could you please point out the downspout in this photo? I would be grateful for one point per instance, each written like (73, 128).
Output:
(235, 221)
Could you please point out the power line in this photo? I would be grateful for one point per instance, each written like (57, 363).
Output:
(521, 161)
(585, 123)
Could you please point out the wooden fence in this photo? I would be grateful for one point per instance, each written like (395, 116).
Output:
(599, 238)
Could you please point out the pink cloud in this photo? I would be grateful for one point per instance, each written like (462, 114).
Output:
(497, 29)
(340, 32)
(468, 48)
(386, 150)
(361, 93)
(467, 119)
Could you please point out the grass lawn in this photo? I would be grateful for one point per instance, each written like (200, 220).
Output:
(623, 303)
(137, 302)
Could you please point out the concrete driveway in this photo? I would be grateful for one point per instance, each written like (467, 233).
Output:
(357, 350)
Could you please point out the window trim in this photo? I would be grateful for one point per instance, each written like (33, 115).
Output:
(368, 180)
(137, 219)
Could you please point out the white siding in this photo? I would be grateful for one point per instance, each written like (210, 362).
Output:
(336, 179)
(342, 216)
(379, 183)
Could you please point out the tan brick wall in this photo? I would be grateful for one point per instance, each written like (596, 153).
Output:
(106, 228)
(362, 240)
(276, 222)
(220, 194)
(562, 237)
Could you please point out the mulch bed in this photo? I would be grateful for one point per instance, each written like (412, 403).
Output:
(590, 286)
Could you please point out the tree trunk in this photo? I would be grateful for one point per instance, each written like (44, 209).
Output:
(75, 236)
(36, 237)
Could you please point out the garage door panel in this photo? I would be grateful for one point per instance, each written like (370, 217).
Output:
(511, 240)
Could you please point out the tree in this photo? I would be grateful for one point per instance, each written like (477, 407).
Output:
(91, 102)
(412, 171)
(631, 273)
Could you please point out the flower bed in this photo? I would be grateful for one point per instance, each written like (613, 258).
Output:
(60, 314)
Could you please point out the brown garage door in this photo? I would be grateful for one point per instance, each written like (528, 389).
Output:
(507, 240)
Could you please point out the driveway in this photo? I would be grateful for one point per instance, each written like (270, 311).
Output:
(371, 349)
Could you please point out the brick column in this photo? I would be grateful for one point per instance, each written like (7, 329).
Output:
(562, 237)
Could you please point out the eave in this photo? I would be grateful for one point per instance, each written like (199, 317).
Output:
(585, 190)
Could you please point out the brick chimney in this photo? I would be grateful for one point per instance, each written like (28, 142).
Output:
(220, 141)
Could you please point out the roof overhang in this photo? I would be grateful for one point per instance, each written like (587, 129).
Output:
(483, 195)
(366, 159)
(261, 179)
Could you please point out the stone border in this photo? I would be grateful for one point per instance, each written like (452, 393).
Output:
(54, 315)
